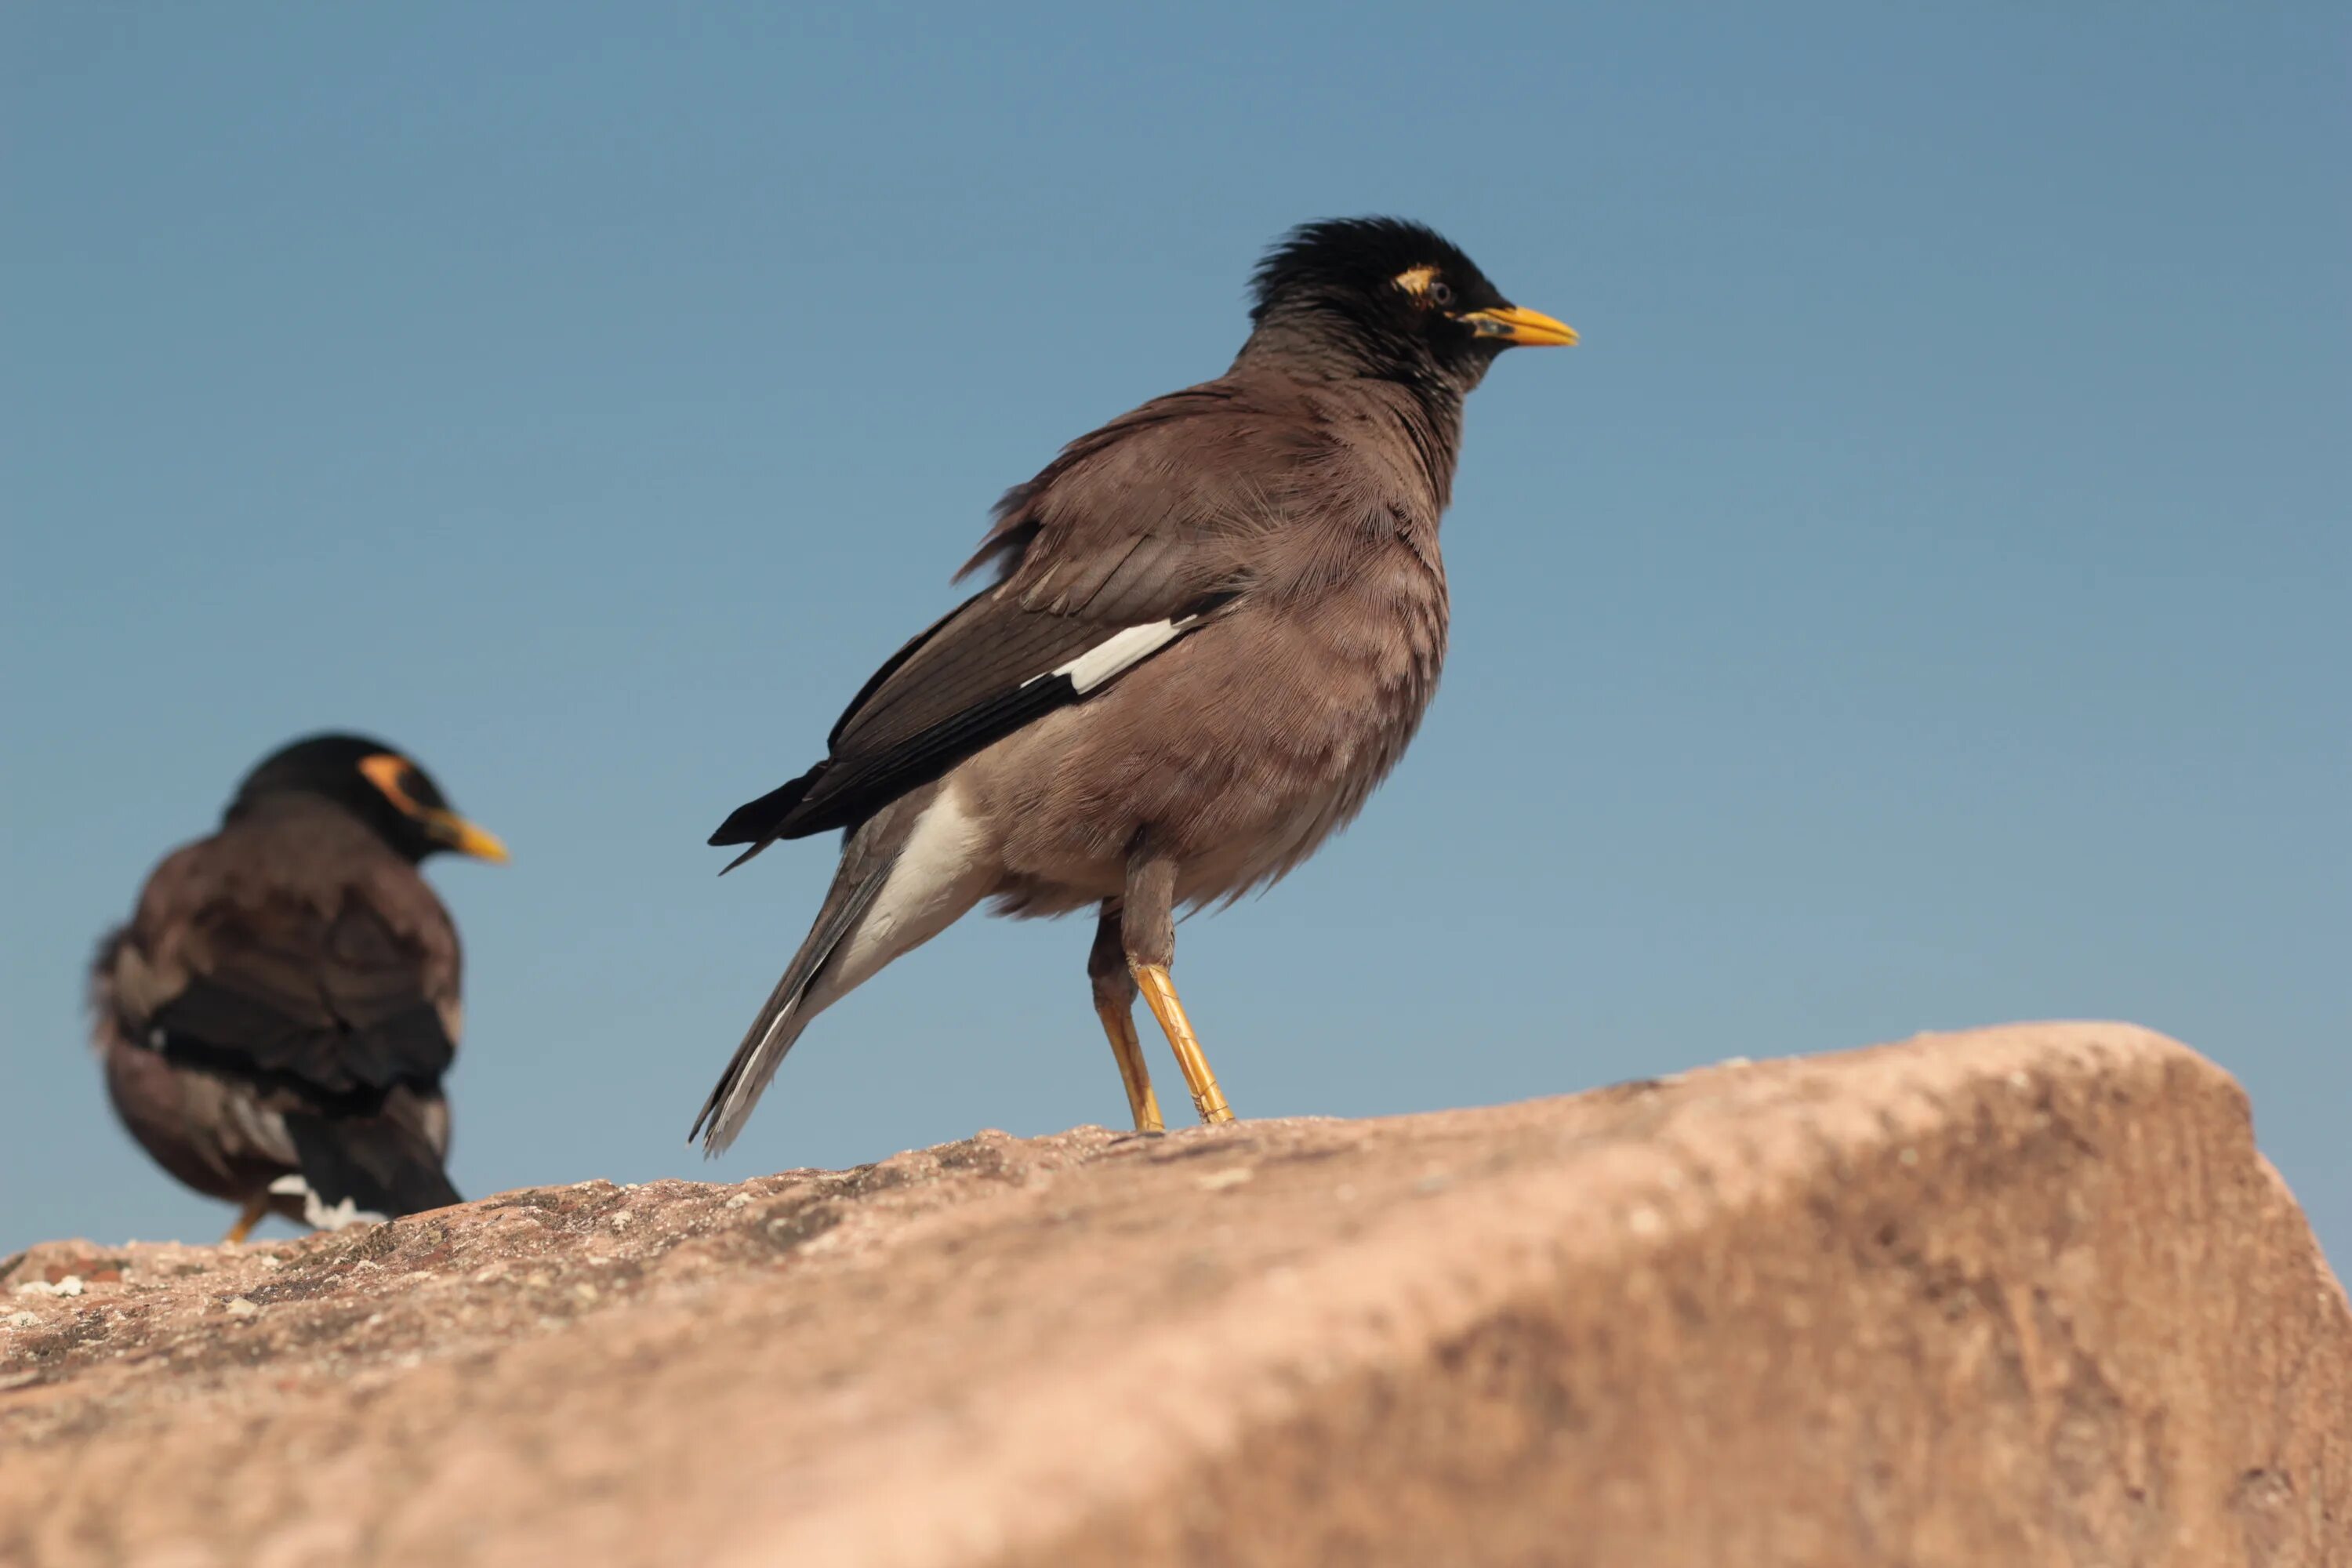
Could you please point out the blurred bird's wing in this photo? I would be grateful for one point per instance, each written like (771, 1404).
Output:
(1123, 544)
(335, 991)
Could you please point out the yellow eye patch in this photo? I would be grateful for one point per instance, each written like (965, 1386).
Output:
(1416, 280)
(387, 773)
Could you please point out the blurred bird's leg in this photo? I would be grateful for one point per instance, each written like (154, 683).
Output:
(251, 1215)
(1115, 1005)
(1147, 932)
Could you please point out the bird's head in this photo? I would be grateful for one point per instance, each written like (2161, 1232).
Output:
(1390, 298)
(383, 788)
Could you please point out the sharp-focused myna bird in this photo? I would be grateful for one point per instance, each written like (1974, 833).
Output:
(276, 1018)
(1214, 625)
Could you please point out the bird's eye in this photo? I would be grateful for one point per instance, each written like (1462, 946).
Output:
(1440, 294)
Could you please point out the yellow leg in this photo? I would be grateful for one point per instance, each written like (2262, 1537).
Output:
(254, 1208)
(1160, 991)
(1119, 1024)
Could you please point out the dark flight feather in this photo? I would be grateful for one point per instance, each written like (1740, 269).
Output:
(332, 1006)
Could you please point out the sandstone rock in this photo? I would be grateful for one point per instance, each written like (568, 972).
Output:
(2022, 1296)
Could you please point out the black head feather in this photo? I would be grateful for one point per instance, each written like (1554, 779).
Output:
(1380, 296)
(1351, 258)
(332, 767)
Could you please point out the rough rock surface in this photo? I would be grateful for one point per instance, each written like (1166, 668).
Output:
(2023, 1295)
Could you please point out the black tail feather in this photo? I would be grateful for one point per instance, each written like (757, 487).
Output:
(381, 1165)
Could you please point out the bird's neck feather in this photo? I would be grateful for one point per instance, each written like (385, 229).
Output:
(1320, 346)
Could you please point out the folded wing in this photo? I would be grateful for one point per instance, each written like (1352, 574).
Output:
(1133, 537)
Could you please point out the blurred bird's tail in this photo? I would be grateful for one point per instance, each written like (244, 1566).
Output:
(354, 1167)
(906, 873)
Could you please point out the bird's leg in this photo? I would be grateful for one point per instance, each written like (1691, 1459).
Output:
(1115, 1005)
(251, 1215)
(1147, 932)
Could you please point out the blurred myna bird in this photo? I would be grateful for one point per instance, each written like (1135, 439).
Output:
(276, 1018)
(1215, 624)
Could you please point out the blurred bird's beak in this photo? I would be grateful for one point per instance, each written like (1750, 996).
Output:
(448, 828)
(1519, 328)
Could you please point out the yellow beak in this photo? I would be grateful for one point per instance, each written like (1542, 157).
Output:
(1520, 328)
(448, 828)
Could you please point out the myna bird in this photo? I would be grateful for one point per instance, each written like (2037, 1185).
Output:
(1214, 625)
(276, 1018)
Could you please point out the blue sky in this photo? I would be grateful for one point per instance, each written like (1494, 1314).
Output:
(1919, 602)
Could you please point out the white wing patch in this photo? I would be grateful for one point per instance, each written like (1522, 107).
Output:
(1118, 653)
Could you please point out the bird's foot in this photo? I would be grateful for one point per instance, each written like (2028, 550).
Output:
(1160, 991)
(247, 1218)
(1141, 1103)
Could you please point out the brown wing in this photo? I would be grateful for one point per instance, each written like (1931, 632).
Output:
(294, 955)
(1155, 519)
